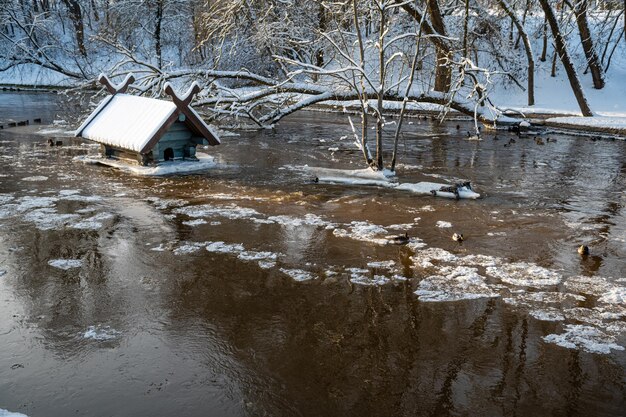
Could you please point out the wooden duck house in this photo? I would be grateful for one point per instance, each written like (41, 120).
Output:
(147, 130)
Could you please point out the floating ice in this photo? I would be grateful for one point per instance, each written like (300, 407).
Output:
(363, 231)
(376, 280)
(424, 257)
(298, 274)
(443, 224)
(308, 220)
(48, 218)
(196, 222)
(454, 284)
(188, 247)
(94, 222)
(204, 162)
(35, 178)
(162, 203)
(28, 203)
(479, 260)
(65, 264)
(616, 295)
(101, 333)
(5, 198)
(257, 256)
(221, 247)
(2, 272)
(231, 211)
(588, 285)
(267, 264)
(524, 275)
(382, 264)
(587, 338)
(548, 314)
(81, 198)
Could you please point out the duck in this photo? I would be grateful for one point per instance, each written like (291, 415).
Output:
(476, 136)
(458, 237)
(539, 141)
(50, 142)
(399, 240)
(551, 140)
(583, 250)
(315, 180)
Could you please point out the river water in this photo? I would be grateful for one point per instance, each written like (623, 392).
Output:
(249, 290)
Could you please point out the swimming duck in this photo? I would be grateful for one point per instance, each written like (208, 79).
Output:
(458, 237)
(399, 240)
(476, 136)
(539, 141)
(583, 250)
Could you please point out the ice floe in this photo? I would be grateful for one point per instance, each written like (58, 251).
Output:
(231, 211)
(65, 264)
(196, 222)
(101, 333)
(35, 178)
(203, 163)
(454, 284)
(94, 222)
(48, 218)
(587, 338)
(443, 224)
(299, 275)
(524, 274)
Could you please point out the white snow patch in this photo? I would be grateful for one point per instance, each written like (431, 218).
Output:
(65, 264)
(587, 338)
(443, 224)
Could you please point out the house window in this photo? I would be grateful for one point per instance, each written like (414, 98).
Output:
(168, 154)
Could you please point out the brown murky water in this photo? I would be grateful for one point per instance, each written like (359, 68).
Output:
(300, 311)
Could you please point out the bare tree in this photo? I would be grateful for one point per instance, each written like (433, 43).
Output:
(561, 49)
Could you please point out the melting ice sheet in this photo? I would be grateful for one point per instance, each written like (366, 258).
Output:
(65, 264)
(204, 162)
(587, 338)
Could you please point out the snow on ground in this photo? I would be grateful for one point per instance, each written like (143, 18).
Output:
(203, 163)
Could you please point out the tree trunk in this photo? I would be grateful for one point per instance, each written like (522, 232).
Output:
(73, 7)
(157, 32)
(381, 87)
(565, 59)
(362, 94)
(443, 70)
(597, 75)
(544, 49)
(527, 48)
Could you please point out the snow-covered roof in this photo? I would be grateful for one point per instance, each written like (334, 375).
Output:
(126, 121)
(137, 123)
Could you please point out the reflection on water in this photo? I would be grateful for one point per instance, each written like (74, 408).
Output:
(180, 306)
